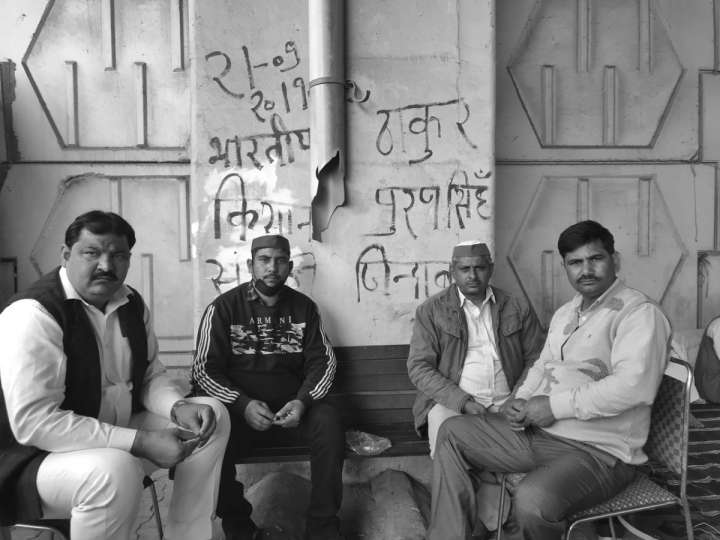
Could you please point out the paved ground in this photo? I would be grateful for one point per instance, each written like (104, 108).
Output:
(379, 503)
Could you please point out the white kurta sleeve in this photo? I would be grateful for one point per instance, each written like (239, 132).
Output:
(32, 373)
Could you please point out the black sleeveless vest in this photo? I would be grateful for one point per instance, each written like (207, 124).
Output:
(19, 499)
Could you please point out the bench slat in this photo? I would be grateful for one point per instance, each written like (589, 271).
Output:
(364, 352)
(405, 442)
(371, 366)
(376, 382)
(374, 400)
(377, 416)
(373, 394)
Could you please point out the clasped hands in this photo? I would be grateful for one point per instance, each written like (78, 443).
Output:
(168, 447)
(259, 416)
(522, 413)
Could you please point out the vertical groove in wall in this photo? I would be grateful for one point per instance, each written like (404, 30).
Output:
(699, 284)
(716, 210)
(716, 29)
(8, 278)
(609, 105)
(146, 281)
(4, 153)
(9, 150)
(548, 283)
(115, 195)
(71, 99)
(177, 35)
(644, 37)
(183, 220)
(583, 199)
(644, 232)
(141, 103)
(108, 33)
(583, 35)
(548, 101)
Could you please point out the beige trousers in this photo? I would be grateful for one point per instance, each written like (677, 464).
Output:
(488, 493)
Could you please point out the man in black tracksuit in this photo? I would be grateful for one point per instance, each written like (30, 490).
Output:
(263, 352)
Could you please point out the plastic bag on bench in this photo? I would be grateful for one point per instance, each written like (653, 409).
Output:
(366, 444)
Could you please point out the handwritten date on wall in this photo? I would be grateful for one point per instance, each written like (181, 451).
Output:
(259, 104)
(273, 89)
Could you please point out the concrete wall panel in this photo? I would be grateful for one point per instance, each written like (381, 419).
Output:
(420, 167)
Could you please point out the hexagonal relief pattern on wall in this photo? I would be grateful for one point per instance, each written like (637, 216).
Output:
(111, 74)
(160, 266)
(595, 74)
(632, 208)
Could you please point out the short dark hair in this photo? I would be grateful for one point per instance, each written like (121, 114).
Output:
(99, 222)
(585, 232)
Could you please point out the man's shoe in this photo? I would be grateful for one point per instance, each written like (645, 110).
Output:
(324, 536)
(325, 529)
(241, 529)
(480, 531)
(257, 534)
(511, 529)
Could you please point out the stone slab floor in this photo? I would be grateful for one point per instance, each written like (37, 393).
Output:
(379, 503)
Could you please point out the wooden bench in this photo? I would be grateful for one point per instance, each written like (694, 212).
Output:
(374, 394)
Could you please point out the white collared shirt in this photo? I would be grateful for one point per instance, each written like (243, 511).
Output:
(32, 373)
(482, 375)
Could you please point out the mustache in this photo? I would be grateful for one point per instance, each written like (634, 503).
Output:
(105, 275)
(587, 278)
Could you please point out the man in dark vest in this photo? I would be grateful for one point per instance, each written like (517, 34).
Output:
(86, 407)
(707, 366)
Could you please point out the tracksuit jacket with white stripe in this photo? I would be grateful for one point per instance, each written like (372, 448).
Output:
(247, 350)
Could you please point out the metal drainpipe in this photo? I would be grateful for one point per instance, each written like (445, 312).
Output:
(326, 29)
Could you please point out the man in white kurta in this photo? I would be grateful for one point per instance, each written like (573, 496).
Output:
(94, 466)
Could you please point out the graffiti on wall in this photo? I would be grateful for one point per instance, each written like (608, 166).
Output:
(230, 271)
(271, 90)
(237, 215)
(275, 145)
(375, 273)
(418, 120)
(275, 142)
(450, 207)
(294, 94)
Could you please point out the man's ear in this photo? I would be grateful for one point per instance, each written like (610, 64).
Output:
(64, 254)
(616, 261)
(249, 267)
(290, 266)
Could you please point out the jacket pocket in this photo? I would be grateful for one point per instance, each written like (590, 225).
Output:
(449, 327)
(510, 325)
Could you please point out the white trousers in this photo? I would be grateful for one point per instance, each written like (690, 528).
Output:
(100, 489)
